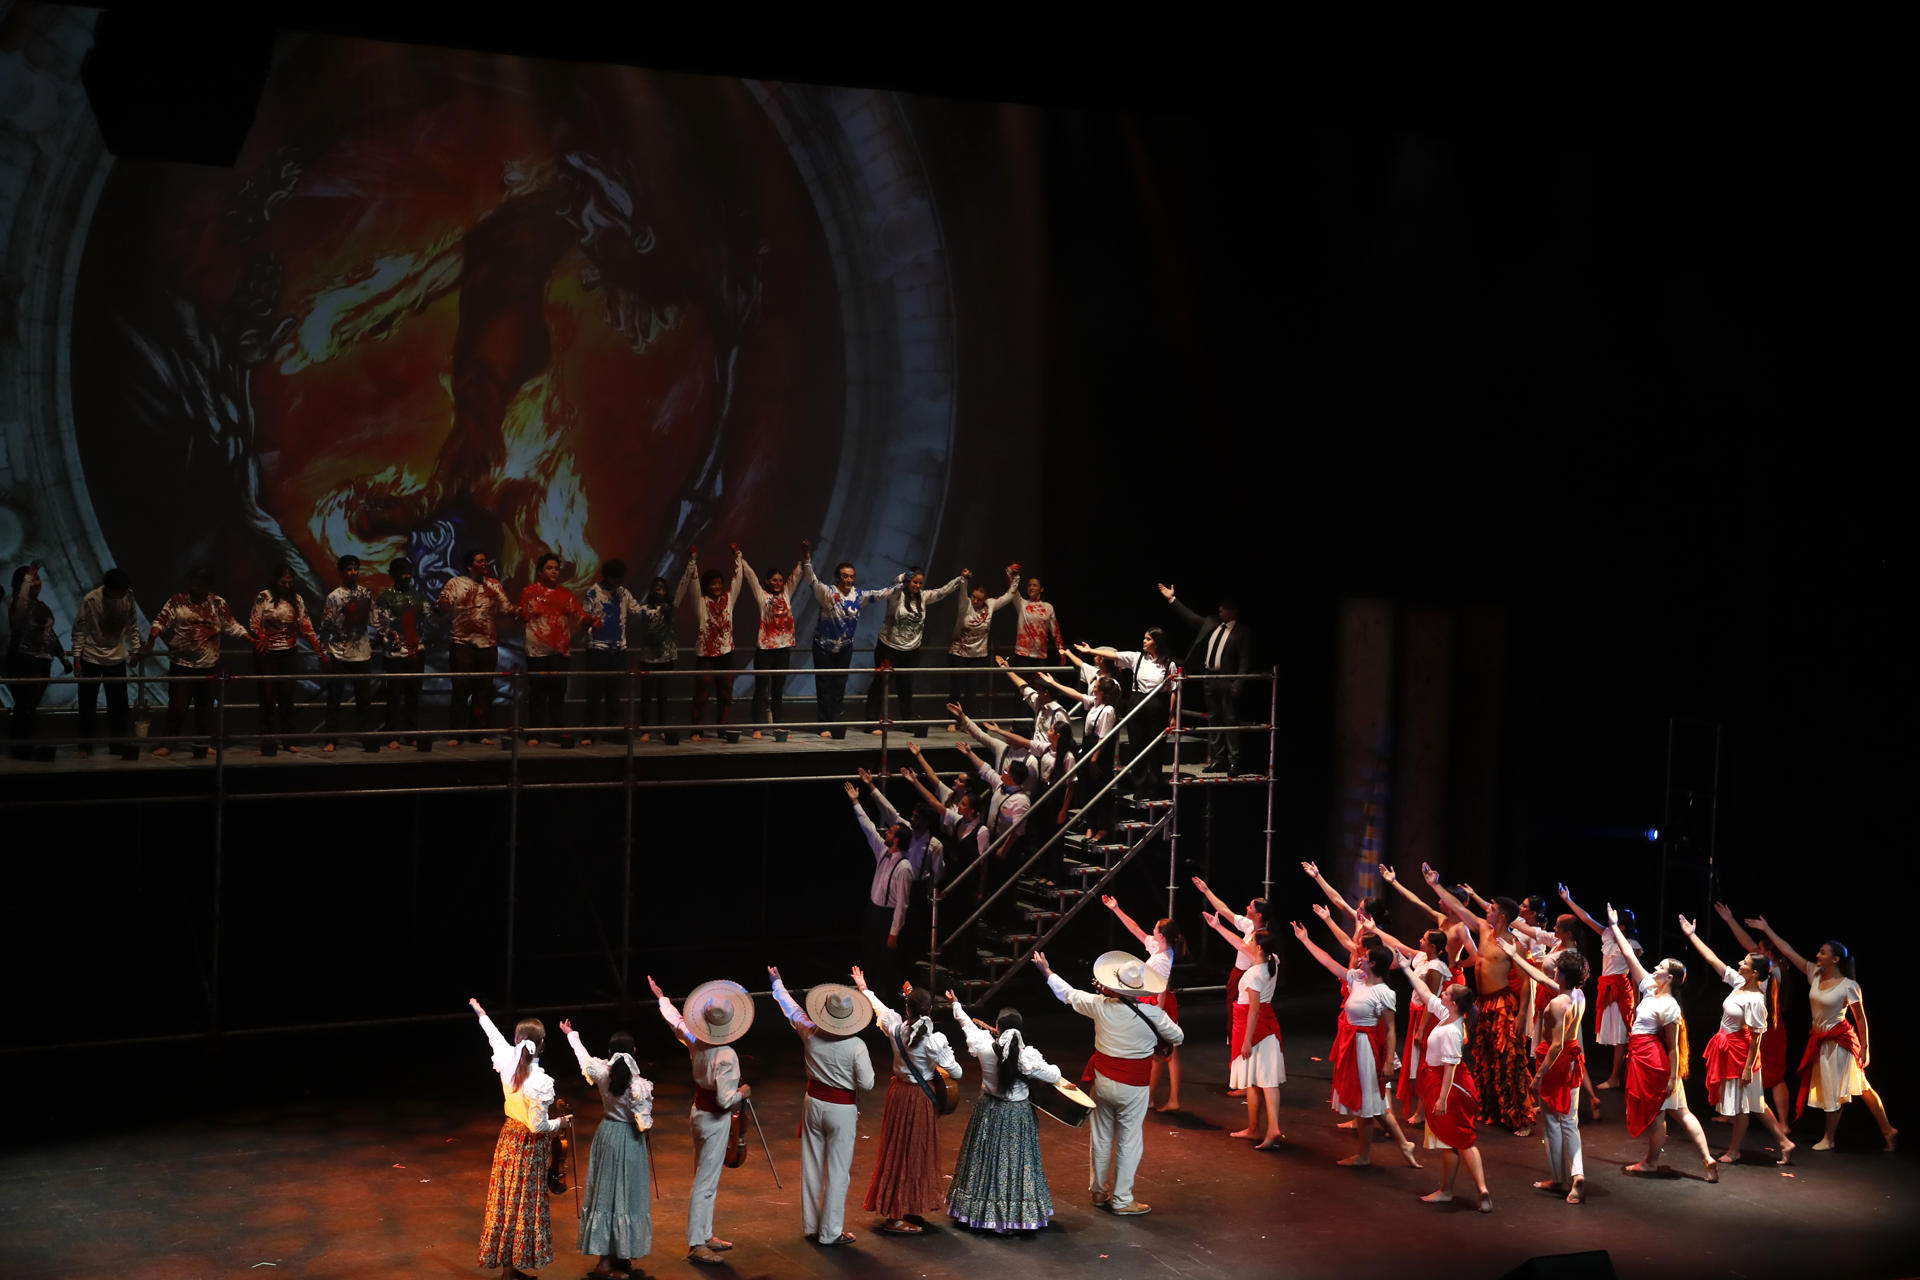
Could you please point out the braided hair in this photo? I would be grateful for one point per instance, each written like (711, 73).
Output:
(918, 1003)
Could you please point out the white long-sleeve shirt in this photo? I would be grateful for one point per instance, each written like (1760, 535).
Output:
(1149, 672)
(105, 631)
(923, 851)
(193, 630)
(713, 617)
(346, 622)
(931, 1051)
(973, 627)
(776, 609)
(635, 1106)
(715, 1067)
(1116, 1032)
(892, 873)
(840, 1062)
(529, 1103)
(1009, 806)
(474, 609)
(985, 1048)
(840, 610)
(905, 624)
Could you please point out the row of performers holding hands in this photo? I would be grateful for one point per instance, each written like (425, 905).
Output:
(998, 1184)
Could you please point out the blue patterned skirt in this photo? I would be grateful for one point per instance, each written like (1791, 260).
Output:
(617, 1210)
(998, 1182)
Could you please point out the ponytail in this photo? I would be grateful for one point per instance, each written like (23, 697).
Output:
(619, 1074)
(522, 1064)
(1169, 930)
(918, 1004)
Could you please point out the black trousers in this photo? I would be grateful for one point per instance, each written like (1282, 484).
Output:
(472, 668)
(403, 696)
(883, 964)
(713, 677)
(830, 679)
(362, 696)
(904, 661)
(1144, 763)
(26, 698)
(969, 688)
(769, 691)
(547, 690)
(195, 689)
(92, 676)
(1223, 708)
(606, 687)
(654, 683)
(277, 669)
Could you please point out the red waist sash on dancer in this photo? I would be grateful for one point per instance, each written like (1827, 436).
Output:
(1408, 1088)
(1843, 1034)
(1133, 1071)
(1773, 1055)
(1264, 1024)
(707, 1100)
(1346, 1062)
(1727, 1055)
(827, 1093)
(1613, 991)
(1649, 1079)
(1168, 1001)
(1455, 1125)
(1558, 1084)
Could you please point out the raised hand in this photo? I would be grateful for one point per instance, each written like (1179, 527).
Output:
(1723, 911)
(1200, 884)
(859, 978)
(989, 725)
(1311, 868)
(1432, 876)
(913, 748)
(1040, 963)
(954, 709)
(1013, 568)
(906, 771)
(1387, 874)
(952, 998)
(966, 573)
(1000, 660)
(1506, 945)
(566, 1027)
(853, 792)
(1166, 589)
(1613, 917)
(1110, 902)
(866, 777)
(658, 994)
(1320, 909)
(475, 1005)
(773, 973)
(1686, 926)
(1758, 922)
(1299, 931)
(1565, 896)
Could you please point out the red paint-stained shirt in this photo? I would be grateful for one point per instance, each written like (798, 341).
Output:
(714, 616)
(1039, 632)
(551, 613)
(473, 609)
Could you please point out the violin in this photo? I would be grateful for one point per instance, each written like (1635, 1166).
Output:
(737, 1138)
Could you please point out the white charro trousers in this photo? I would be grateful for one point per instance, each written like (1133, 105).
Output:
(710, 1134)
(828, 1131)
(1113, 1136)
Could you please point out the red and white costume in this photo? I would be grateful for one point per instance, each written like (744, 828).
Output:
(1419, 1022)
(1651, 1087)
(1266, 1066)
(1743, 1017)
(1613, 997)
(1160, 961)
(1452, 1129)
(1360, 1048)
(1039, 633)
(1830, 1071)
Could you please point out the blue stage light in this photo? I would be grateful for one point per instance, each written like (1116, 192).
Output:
(1653, 834)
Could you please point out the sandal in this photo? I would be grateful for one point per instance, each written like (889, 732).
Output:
(900, 1229)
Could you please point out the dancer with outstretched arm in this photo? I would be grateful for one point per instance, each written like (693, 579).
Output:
(518, 1231)
(906, 1173)
(1657, 1059)
(1773, 1042)
(718, 1013)
(838, 1066)
(1258, 1062)
(1248, 924)
(1363, 1045)
(999, 1181)
(1164, 945)
(616, 1220)
(1448, 1095)
(1613, 997)
(1733, 1055)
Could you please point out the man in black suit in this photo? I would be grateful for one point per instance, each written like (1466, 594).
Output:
(1223, 646)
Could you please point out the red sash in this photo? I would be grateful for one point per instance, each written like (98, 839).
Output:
(1133, 1071)
(1842, 1033)
(1649, 1079)
(1558, 1084)
(1264, 1024)
(1416, 1043)
(1346, 1062)
(1613, 990)
(707, 1100)
(1727, 1055)
(1454, 1126)
(827, 1093)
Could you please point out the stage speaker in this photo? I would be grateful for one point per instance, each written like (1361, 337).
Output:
(1595, 1264)
(780, 735)
(424, 742)
(670, 736)
(168, 82)
(730, 735)
(838, 733)
(920, 730)
(199, 751)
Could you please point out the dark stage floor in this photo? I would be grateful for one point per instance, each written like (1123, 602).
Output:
(292, 1164)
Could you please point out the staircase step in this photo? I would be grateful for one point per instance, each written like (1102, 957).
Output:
(1090, 873)
(997, 963)
(1134, 824)
(1043, 918)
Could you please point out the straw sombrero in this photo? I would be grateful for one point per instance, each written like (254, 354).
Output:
(719, 1012)
(1117, 971)
(838, 1009)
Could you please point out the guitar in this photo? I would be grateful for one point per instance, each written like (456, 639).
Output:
(946, 1092)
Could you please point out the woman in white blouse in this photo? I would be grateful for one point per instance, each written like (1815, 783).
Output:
(1733, 1055)
(906, 1176)
(518, 1231)
(1258, 1063)
(999, 1182)
(1657, 1058)
(1448, 1096)
(1164, 945)
(616, 1222)
(1363, 1050)
(1833, 1070)
(1151, 665)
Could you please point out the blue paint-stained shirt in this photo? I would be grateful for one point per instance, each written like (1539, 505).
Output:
(840, 613)
(609, 607)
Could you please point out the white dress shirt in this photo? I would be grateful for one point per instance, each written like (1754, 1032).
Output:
(715, 1067)
(1116, 1032)
(892, 873)
(840, 1062)
(635, 1106)
(528, 1104)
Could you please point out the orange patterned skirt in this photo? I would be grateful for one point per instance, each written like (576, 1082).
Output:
(519, 1226)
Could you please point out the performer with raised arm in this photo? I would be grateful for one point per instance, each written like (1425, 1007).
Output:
(1249, 924)
(924, 849)
(837, 1067)
(1151, 666)
(278, 621)
(192, 623)
(1125, 1036)
(1164, 945)
(999, 1181)
(906, 1171)
(1039, 636)
(33, 646)
(552, 613)
(889, 894)
(1498, 1045)
(901, 633)
(833, 632)
(400, 616)
(773, 650)
(1259, 1067)
(965, 829)
(972, 631)
(1430, 972)
(1222, 647)
(1391, 877)
(713, 650)
(1657, 1059)
(718, 1013)
(1556, 1082)
(473, 602)
(106, 635)
(1363, 1057)
(346, 631)
(518, 1230)
(1102, 714)
(1773, 1042)
(616, 1219)
(654, 653)
(1448, 1095)
(1833, 1071)
(1733, 1055)
(1613, 996)
(609, 607)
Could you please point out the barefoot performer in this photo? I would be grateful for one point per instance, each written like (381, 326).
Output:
(1448, 1095)
(1498, 1045)
(1657, 1059)
(1733, 1055)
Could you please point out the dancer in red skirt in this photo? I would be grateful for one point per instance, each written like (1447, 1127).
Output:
(1613, 997)
(1733, 1058)
(1254, 920)
(1833, 1071)
(1257, 1059)
(1164, 945)
(1363, 1048)
(1448, 1094)
(518, 1231)
(1773, 1043)
(906, 1174)
(1561, 1068)
(1657, 1058)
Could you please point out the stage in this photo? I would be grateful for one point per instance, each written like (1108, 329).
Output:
(366, 1154)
